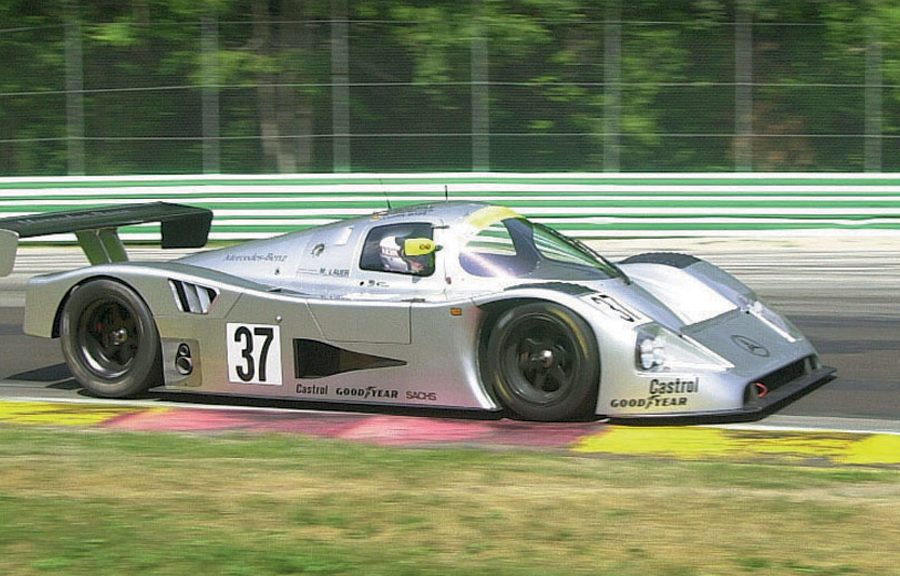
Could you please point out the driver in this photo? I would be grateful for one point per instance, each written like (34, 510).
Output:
(394, 259)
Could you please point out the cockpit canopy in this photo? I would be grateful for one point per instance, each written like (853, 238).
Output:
(514, 247)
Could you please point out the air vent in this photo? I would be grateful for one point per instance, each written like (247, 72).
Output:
(192, 298)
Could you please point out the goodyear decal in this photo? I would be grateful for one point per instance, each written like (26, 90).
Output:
(731, 444)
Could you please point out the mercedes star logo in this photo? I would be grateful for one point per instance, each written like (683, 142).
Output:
(750, 345)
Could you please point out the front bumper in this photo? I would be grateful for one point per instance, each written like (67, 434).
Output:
(753, 409)
(788, 390)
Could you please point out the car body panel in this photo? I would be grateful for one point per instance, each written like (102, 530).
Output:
(336, 328)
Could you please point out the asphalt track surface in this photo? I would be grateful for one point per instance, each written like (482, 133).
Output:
(843, 295)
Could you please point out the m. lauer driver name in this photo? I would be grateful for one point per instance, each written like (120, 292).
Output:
(662, 393)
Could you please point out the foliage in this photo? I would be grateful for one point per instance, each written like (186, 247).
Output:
(146, 78)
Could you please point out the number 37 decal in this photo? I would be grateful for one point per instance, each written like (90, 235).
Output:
(254, 354)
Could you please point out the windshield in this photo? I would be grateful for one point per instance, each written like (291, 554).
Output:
(517, 248)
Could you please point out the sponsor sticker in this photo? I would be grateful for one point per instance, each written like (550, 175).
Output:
(312, 390)
(421, 396)
(662, 393)
(614, 308)
(367, 393)
(269, 257)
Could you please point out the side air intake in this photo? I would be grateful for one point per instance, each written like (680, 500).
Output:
(192, 298)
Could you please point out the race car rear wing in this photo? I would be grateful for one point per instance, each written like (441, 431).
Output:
(97, 229)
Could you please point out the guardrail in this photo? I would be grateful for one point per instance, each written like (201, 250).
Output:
(589, 205)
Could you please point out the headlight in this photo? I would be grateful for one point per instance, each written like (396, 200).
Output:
(774, 320)
(652, 353)
(661, 350)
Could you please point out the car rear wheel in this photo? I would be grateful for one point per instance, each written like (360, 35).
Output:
(110, 341)
(542, 362)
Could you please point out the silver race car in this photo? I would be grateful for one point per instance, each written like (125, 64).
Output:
(457, 305)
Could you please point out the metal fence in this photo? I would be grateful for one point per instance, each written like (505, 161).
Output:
(329, 86)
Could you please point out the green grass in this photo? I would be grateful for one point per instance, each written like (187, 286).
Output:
(99, 502)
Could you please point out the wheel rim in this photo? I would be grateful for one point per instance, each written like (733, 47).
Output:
(539, 359)
(109, 338)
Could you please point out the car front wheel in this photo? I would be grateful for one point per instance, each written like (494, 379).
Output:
(542, 362)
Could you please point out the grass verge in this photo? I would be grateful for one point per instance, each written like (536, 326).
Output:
(100, 502)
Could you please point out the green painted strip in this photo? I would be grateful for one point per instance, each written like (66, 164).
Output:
(581, 230)
(531, 197)
(440, 180)
(585, 230)
(694, 203)
(457, 194)
(661, 202)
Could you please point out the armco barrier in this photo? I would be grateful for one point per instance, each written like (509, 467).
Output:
(588, 205)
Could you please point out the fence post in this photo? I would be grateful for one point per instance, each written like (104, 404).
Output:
(340, 87)
(873, 98)
(612, 85)
(743, 86)
(74, 90)
(481, 120)
(209, 61)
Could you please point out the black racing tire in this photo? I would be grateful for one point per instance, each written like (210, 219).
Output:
(110, 340)
(542, 363)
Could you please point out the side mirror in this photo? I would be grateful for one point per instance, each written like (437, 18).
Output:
(419, 247)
